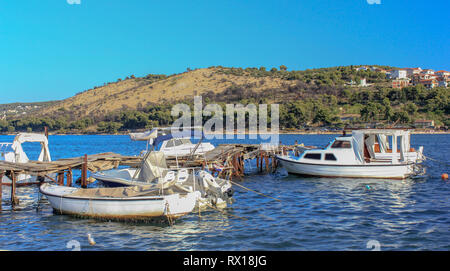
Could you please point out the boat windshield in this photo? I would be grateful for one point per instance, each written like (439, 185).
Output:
(177, 142)
(185, 141)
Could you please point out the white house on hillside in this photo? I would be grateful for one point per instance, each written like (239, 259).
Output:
(428, 71)
(442, 73)
(411, 71)
(363, 68)
(398, 74)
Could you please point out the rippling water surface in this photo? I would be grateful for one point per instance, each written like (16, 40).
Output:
(314, 213)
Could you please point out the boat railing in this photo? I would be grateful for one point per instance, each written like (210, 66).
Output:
(4, 146)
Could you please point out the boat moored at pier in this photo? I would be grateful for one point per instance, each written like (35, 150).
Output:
(368, 153)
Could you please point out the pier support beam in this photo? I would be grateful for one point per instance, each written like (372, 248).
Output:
(84, 173)
(266, 160)
(69, 177)
(1, 189)
(14, 199)
(60, 178)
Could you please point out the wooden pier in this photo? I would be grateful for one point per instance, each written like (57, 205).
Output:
(226, 161)
(63, 168)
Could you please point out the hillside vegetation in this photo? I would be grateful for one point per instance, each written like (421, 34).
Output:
(317, 97)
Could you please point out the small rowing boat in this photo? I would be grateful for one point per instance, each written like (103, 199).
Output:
(123, 203)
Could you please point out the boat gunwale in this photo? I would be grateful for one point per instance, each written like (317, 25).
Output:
(349, 177)
(162, 197)
(345, 165)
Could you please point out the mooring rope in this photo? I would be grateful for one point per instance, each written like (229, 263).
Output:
(435, 160)
(254, 191)
(168, 214)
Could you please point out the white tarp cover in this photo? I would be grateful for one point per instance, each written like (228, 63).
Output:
(402, 135)
(145, 136)
(21, 156)
(119, 192)
(154, 166)
(383, 143)
(358, 146)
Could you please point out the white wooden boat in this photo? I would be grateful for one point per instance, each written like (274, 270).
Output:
(173, 144)
(357, 156)
(153, 171)
(14, 152)
(126, 203)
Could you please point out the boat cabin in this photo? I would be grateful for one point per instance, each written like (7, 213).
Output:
(173, 144)
(364, 146)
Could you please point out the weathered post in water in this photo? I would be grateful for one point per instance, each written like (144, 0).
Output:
(60, 178)
(84, 173)
(1, 188)
(69, 177)
(14, 199)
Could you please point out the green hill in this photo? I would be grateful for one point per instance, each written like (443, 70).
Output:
(330, 97)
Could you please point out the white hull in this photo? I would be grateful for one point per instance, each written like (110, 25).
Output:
(373, 170)
(217, 195)
(127, 208)
(185, 150)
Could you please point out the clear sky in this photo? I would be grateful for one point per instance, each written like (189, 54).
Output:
(50, 49)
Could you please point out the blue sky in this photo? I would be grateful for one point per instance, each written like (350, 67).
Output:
(51, 50)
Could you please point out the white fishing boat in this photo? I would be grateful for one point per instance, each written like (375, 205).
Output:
(369, 153)
(14, 153)
(124, 203)
(153, 171)
(173, 144)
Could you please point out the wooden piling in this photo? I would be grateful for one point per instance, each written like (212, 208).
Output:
(69, 177)
(84, 173)
(1, 189)
(46, 131)
(266, 159)
(257, 161)
(274, 164)
(260, 162)
(14, 199)
(60, 178)
(241, 163)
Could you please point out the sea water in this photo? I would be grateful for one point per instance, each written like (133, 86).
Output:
(314, 213)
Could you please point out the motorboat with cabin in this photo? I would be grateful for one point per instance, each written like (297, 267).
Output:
(367, 153)
(173, 144)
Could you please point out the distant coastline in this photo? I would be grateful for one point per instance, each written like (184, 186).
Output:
(290, 132)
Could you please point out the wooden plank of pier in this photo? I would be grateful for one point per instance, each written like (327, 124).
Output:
(96, 162)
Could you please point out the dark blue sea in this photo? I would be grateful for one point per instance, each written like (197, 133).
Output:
(314, 213)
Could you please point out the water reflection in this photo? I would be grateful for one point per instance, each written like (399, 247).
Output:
(314, 213)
